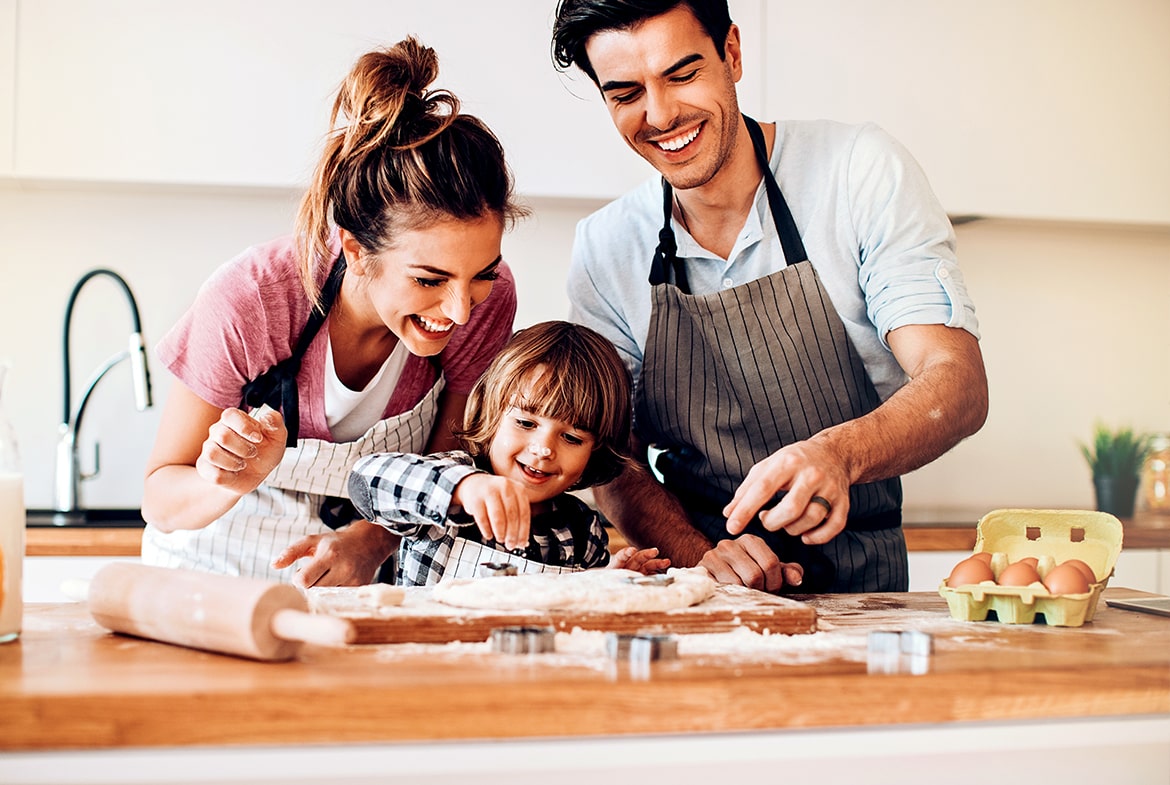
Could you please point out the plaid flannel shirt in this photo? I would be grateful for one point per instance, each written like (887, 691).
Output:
(411, 495)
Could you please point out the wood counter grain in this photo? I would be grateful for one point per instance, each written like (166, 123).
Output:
(68, 684)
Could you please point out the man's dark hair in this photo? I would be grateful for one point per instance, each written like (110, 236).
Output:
(578, 20)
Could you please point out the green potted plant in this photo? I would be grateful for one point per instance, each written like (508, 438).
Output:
(1115, 458)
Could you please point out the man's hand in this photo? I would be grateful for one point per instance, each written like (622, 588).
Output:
(748, 561)
(815, 505)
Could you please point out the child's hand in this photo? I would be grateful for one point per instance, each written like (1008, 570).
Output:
(643, 561)
(500, 507)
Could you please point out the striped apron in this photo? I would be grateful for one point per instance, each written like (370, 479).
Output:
(467, 556)
(311, 477)
(729, 378)
(308, 492)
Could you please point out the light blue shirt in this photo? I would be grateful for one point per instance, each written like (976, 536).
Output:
(874, 231)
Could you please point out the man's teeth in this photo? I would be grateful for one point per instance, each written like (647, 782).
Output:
(433, 327)
(679, 142)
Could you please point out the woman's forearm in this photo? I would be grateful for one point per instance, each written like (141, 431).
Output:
(176, 497)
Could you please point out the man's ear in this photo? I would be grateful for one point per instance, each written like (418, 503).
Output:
(733, 53)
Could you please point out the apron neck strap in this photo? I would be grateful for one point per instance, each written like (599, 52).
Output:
(277, 386)
(666, 263)
(781, 216)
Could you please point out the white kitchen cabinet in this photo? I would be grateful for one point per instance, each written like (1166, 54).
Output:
(1051, 109)
(7, 82)
(238, 94)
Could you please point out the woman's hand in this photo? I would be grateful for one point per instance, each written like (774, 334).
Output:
(643, 560)
(499, 506)
(241, 450)
(349, 556)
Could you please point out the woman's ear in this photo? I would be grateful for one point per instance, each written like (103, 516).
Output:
(353, 252)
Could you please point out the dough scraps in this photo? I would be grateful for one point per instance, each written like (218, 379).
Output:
(598, 590)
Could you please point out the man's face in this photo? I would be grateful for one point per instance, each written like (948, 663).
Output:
(670, 96)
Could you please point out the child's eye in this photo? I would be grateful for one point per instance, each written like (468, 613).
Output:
(573, 439)
(525, 424)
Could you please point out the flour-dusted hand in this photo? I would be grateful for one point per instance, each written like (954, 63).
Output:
(500, 507)
(748, 561)
(241, 450)
(643, 560)
(349, 556)
(815, 505)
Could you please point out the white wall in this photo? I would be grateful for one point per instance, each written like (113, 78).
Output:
(1075, 319)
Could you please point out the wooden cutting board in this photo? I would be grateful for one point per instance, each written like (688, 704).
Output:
(422, 620)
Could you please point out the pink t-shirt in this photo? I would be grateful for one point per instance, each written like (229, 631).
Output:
(247, 316)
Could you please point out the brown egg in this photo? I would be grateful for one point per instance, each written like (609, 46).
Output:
(970, 570)
(1019, 573)
(1065, 579)
(1085, 569)
(983, 556)
(1031, 561)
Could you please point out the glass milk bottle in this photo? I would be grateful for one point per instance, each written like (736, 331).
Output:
(11, 525)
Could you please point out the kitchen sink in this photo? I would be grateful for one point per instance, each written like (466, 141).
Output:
(103, 518)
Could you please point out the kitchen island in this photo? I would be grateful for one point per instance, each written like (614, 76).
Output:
(82, 705)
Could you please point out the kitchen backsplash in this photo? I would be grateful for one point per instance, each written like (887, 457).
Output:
(1075, 321)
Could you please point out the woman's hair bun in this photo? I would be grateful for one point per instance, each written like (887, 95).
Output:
(385, 98)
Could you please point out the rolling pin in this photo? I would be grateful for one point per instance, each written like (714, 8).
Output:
(246, 617)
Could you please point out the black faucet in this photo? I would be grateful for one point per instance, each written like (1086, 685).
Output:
(69, 476)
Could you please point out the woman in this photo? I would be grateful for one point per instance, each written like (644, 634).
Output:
(366, 329)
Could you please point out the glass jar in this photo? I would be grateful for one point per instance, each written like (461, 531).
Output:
(1154, 489)
(12, 521)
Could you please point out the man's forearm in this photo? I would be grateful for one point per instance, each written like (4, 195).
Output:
(650, 517)
(944, 402)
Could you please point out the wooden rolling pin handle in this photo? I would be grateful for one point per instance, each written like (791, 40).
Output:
(293, 625)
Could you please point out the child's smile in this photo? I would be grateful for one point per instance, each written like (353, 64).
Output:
(546, 455)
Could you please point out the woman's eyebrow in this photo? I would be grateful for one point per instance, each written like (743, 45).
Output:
(426, 268)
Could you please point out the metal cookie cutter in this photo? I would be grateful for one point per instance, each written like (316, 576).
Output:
(490, 569)
(641, 647)
(523, 640)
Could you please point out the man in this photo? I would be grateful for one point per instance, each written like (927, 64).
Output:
(789, 304)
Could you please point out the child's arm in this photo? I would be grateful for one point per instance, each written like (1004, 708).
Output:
(405, 492)
(642, 560)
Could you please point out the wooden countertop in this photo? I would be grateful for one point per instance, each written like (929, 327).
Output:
(69, 684)
(926, 530)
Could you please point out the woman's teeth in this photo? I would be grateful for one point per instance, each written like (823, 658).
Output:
(679, 142)
(433, 327)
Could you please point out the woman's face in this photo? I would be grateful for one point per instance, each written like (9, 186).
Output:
(425, 286)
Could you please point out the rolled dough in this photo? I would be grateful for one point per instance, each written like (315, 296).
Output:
(601, 590)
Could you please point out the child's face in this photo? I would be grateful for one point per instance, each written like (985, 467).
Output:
(547, 456)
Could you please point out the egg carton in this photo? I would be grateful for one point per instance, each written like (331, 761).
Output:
(1051, 537)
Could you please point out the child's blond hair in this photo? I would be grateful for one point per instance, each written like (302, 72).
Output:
(572, 374)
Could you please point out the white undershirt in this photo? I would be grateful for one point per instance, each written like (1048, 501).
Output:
(350, 413)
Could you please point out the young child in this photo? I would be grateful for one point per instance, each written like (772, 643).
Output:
(550, 414)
